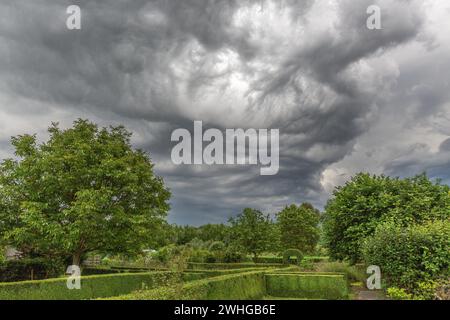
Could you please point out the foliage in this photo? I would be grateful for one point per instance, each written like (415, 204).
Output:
(289, 253)
(398, 294)
(268, 259)
(353, 273)
(252, 231)
(233, 256)
(91, 286)
(30, 269)
(366, 201)
(299, 227)
(409, 256)
(311, 286)
(248, 285)
(84, 189)
(217, 246)
(209, 266)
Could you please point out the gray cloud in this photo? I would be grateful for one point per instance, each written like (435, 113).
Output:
(345, 98)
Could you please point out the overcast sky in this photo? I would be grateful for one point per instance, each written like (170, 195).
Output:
(345, 98)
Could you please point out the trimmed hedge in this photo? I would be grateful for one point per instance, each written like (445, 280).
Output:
(91, 286)
(214, 266)
(268, 259)
(316, 259)
(292, 253)
(310, 286)
(242, 286)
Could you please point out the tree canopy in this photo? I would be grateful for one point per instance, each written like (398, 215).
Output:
(252, 231)
(299, 227)
(84, 189)
(366, 201)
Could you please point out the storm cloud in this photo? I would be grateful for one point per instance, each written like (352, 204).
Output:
(345, 98)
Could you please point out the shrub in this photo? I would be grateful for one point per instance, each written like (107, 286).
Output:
(91, 286)
(233, 256)
(30, 269)
(217, 246)
(366, 201)
(288, 254)
(398, 294)
(410, 256)
(311, 286)
(210, 258)
(198, 255)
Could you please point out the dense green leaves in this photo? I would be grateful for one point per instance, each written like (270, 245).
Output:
(410, 255)
(84, 189)
(362, 203)
(253, 231)
(299, 227)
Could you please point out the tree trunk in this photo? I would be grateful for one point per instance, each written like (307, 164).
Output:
(76, 259)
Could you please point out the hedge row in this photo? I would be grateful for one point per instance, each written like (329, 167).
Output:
(269, 259)
(310, 286)
(214, 266)
(242, 286)
(91, 286)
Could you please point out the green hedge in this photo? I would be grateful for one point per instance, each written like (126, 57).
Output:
(91, 286)
(242, 286)
(214, 266)
(409, 256)
(268, 259)
(316, 259)
(310, 286)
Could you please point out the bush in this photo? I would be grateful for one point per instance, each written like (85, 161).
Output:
(30, 269)
(311, 286)
(217, 246)
(288, 254)
(395, 293)
(199, 255)
(91, 286)
(210, 258)
(232, 256)
(410, 256)
(366, 201)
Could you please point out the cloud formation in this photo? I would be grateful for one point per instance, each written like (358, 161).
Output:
(345, 98)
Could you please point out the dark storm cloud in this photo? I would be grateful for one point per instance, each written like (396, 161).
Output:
(305, 67)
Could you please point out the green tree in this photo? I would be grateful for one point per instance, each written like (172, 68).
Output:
(299, 227)
(366, 201)
(252, 231)
(83, 190)
(213, 232)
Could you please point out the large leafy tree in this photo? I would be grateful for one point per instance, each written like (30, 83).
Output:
(85, 189)
(253, 231)
(299, 227)
(366, 201)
